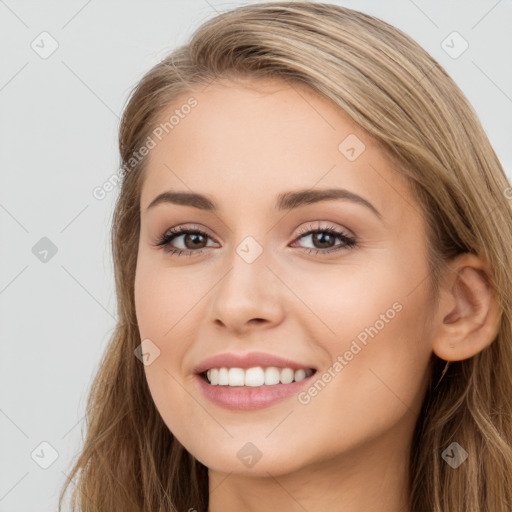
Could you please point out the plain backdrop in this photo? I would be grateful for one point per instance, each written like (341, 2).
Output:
(66, 70)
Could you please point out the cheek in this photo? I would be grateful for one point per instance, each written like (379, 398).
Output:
(162, 302)
(373, 389)
(362, 300)
(377, 332)
(161, 310)
(380, 356)
(161, 299)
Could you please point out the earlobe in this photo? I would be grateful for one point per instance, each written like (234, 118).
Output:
(467, 320)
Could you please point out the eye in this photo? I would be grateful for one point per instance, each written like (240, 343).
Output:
(324, 239)
(193, 240)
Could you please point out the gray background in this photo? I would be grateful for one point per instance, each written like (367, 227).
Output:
(59, 117)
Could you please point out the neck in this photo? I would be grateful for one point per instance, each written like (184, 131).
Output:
(370, 477)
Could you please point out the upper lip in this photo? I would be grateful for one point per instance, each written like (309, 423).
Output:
(233, 360)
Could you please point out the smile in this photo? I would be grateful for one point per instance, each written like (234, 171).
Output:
(256, 376)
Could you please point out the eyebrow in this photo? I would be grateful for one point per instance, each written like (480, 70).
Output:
(285, 201)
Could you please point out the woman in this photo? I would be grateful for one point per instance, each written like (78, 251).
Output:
(311, 250)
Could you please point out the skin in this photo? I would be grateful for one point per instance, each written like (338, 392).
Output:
(348, 447)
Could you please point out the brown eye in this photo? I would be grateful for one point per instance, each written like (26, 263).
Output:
(194, 240)
(324, 240)
(188, 241)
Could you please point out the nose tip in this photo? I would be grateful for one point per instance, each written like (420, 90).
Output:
(240, 329)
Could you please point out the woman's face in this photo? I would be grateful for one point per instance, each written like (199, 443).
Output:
(349, 302)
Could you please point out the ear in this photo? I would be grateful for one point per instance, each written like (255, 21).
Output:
(468, 314)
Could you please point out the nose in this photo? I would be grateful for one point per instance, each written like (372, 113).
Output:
(248, 296)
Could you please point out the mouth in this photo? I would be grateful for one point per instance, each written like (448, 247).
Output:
(247, 381)
(239, 389)
(255, 377)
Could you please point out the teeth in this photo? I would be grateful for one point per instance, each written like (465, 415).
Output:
(287, 375)
(272, 375)
(256, 376)
(300, 375)
(223, 377)
(236, 377)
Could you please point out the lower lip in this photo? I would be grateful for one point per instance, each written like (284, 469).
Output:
(250, 398)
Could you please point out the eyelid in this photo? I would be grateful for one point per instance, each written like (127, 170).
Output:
(182, 229)
(327, 225)
(302, 230)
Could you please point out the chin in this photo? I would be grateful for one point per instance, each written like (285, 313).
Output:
(249, 459)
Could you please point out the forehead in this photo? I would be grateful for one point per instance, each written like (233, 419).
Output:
(249, 141)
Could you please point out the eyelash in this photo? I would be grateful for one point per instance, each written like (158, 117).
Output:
(165, 240)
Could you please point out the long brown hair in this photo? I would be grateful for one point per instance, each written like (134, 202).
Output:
(406, 101)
